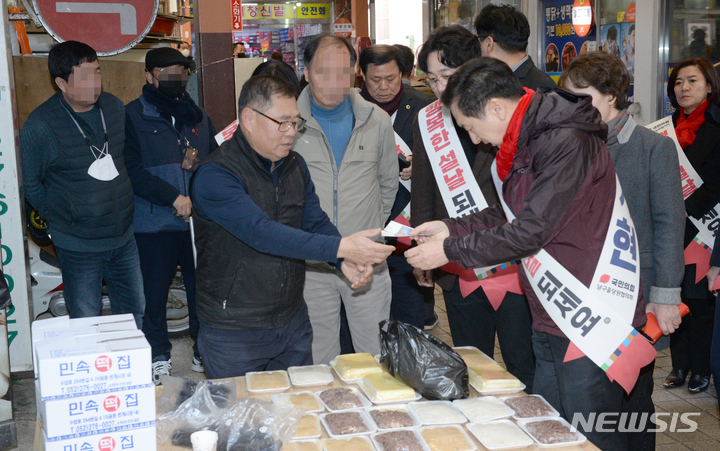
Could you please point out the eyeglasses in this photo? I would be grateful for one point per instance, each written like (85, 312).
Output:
(432, 82)
(166, 73)
(284, 126)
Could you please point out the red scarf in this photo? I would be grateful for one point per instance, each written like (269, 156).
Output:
(508, 148)
(686, 127)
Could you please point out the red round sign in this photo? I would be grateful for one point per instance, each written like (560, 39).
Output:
(111, 403)
(106, 444)
(108, 26)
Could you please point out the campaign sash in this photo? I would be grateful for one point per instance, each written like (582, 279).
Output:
(699, 250)
(462, 196)
(596, 319)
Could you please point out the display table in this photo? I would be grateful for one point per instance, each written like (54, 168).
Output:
(242, 392)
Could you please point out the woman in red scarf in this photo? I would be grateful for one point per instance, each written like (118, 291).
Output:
(694, 91)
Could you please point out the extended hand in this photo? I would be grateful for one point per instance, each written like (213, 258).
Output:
(668, 316)
(424, 278)
(427, 256)
(359, 248)
(437, 231)
(406, 173)
(357, 275)
(183, 207)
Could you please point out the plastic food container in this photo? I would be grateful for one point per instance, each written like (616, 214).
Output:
(487, 408)
(450, 437)
(380, 447)
(552, 413)
(364, 402)
(527, 426)
(302, 399)
(267, 381)
(369, 424)
(437, 412)
(500, 434)
(308, 376)
(399, 408)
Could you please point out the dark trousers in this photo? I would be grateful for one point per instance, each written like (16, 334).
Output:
(474, 321)
(690, 344)
(232, 352)
(160, 254)
(577, 387)
(715, 352)
(640, 402)
(408, 298)
(83, 274)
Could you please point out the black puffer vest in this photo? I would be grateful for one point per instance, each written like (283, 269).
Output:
(237, 286)
(77, 204)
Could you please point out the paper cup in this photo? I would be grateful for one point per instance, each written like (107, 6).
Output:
(204, 440)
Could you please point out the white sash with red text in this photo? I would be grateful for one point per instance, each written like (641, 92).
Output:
(691, 181)
(597, 319)
(460, 191)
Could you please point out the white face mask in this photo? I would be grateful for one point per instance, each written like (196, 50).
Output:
(185, 52)
(103, 168)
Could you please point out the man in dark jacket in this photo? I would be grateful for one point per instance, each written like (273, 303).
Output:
(257, 218)
(383, 86)
(74, 175)
(557, 179)
(503, 32)
(164, 132)
(495, 304)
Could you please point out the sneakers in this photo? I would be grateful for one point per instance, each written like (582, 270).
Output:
(161, 366)
(430, 323)
(197, 364)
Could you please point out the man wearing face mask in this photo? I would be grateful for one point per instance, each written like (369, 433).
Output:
(74, 174)
(166, 134)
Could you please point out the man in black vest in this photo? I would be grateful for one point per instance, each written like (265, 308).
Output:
(257, 218)
(503, 32)
(74, 174)
(381, 68)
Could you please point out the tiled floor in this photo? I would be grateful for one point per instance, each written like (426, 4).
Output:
(705, 438)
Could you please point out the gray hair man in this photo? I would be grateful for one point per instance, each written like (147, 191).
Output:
(349, 146)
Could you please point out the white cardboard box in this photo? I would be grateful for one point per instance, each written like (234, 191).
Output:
(88, 364)
(55, 328)
(141, 439)
(80, 416)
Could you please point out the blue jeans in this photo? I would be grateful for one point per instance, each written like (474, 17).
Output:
(234, 352)
(83, 274)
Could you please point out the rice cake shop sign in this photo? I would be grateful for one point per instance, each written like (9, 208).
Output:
(110, 27)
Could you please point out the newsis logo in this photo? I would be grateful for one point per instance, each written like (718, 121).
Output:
(635, 422)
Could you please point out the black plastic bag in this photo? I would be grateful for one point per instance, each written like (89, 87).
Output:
(423, 362)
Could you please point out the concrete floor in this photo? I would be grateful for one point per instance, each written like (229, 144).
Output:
(705, 438)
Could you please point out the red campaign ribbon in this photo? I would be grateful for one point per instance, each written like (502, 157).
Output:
(626, 368)
(496, 286)
(698, 255)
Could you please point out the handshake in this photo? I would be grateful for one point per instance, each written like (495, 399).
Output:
(360, 253)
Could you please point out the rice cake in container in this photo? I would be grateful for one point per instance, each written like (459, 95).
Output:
(304, 399)
(346, 424)
(267, 381)
(392, 417)
(399, 440)
(530, 407)
(486, 408)
(353, 367)
(307, 376)
(552, 433)
(500, 434)
(309, 427)
(303, 445)
(437, 412)
(473, 356)
(358, 443)
(384, 388)
(447, 438)
(342, 398)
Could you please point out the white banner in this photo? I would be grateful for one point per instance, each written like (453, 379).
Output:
(598, 319)
(707, 225)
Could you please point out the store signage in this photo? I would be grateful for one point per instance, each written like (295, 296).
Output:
(236, 11)
(582, 17)
(267, 12)
(108, 27)
(16, 319)
(313, 11)
(342, 27)
(630, 13)
(560, 41)
(264, 45)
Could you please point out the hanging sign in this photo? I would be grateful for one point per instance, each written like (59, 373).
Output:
(582, 17)
(237, 15)
(342, 27)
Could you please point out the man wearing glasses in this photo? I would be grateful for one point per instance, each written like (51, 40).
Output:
(166, 133)
(257, 218)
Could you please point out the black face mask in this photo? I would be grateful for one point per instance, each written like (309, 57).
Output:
(172, 88)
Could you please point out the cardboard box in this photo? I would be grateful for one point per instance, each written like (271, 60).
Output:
(82, 416)
(142, 439)
(54, 328)
(90, 364)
